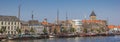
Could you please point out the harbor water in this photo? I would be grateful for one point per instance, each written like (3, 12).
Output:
(73, 39)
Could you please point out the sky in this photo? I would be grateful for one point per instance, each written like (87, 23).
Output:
(76, 9)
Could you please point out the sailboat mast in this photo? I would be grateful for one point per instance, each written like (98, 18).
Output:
(57, 16)
(32, 15)
(19, 7)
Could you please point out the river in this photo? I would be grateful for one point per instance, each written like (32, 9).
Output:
(75, 39)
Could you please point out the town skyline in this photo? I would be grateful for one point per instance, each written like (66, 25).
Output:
(75, 9)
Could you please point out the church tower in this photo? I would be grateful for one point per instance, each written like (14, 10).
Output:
(93, 16)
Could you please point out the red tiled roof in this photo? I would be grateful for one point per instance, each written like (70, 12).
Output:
(111, 26)
(44, 23)
(94, 21)
(118, 26)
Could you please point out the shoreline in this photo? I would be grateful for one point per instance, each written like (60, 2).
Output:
(60, 36)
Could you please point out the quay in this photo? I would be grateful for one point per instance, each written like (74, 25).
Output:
(29, 37)
(54, 36)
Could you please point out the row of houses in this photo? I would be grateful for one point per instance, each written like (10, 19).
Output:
(113, 28)
(12, 25)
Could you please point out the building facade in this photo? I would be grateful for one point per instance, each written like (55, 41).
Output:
(69, 24)
(10, 24)
(25, 27)
(77, 24)
(35, 27)
(94, 25)
(114, 29)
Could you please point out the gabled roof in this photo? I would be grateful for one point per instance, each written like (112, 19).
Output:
(93, 14)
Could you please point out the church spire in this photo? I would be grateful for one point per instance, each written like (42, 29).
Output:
(93, 14)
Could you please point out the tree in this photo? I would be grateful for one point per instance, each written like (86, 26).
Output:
(91, 30)
(85, 30)
(98, 30)
(2, 30)
(45, 31)
(55, 31)
(32, 30)
(72, 30)
(26, 31)
(64, 30)
(18, 30)
(102, 29)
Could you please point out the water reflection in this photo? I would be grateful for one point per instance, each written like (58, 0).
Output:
(76, 39)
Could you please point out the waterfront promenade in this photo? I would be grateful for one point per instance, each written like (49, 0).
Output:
(27, 37)
(73, 39)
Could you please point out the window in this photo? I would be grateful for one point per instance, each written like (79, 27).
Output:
(8, 32)
(14, 27)
(8, 27)
(14, 32)
(5, 23)
(15, 23)
(8, 23)
(11, 23)
(18, 23)
(1, 23)
(3, 26)
(11, 32)
(11, 27)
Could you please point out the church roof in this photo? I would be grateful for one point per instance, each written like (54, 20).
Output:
(93, 14)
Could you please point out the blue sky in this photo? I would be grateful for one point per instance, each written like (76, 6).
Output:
(76, 9)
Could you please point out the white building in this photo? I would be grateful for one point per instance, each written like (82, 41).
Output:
(37, 27)
(76, 23)
(114, 30)
(10, 24)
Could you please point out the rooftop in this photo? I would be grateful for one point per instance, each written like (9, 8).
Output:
(93, 14)
(8, 18)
